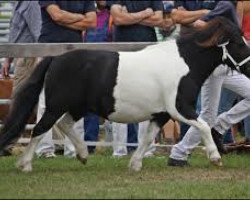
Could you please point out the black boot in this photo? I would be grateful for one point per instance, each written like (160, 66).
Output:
(218, 140)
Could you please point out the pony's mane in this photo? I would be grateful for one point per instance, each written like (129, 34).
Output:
(216, 31)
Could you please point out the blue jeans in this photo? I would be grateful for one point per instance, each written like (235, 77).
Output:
(91, 129)
(132, 135)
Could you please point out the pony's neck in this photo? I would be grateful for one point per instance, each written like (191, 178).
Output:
(201, 61)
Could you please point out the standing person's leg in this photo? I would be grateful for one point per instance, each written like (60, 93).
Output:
(143, 128)
(247, 128)
(210, 96)
(239, 84)
(23, 69)
(91, 129)
(120, 133)
(108, 130)
(45, 147)
(69, 148)
(132, 136)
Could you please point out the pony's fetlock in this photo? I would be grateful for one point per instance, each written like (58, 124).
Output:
(82, 159)
(24, 166)
(215, 158)
(135, 164)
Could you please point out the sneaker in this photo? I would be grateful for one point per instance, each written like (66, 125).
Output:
(47, 155)
(177, 163)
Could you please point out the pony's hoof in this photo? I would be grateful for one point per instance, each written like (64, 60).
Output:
(217, 162)
(81, 159)
(24, 167)
(135, 166)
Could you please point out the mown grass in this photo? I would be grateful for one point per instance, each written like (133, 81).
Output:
(109, 178)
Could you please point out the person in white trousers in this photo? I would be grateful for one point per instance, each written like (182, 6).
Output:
(210, 96)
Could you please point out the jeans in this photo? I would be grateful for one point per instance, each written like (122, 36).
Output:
(132, 135)
(120, 136)
(91, 129)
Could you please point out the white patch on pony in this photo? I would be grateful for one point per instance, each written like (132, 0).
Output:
(147, 82)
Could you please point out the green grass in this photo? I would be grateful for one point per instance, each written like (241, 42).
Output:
(109, 178)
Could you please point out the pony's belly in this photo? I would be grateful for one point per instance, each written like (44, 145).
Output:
(129, 116)
(137, 109)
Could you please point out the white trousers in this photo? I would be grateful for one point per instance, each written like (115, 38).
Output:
(120, 134)
(210, 97)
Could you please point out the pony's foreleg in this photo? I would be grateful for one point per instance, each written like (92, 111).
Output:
(66, 126)
(205, 130)
(135, 163)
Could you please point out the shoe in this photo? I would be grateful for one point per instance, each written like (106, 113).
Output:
(218, 140)
(177, 163)
(47, 155)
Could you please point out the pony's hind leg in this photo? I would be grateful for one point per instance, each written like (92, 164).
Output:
(205, 131)
(66, 126)
(46, 122)
(135, 163)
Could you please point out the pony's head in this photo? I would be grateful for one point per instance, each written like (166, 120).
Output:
(221, 33)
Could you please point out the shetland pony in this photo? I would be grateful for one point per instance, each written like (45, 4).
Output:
(157, 83)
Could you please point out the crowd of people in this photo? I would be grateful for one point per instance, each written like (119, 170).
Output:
(224, 98)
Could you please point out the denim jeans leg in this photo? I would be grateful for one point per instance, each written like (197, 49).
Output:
(91, 127)
(132, 135)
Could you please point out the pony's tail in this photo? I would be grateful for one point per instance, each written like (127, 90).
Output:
(23, 104)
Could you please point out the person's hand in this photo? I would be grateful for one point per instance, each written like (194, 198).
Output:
(124, 9)
(181, 8)
(199, 23)
(5, 69)
(167, 24)
(149, 12)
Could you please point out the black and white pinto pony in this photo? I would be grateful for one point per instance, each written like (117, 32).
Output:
(157, 83)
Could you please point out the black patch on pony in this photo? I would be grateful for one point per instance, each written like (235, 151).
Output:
(161, 118)
(92, 79)
(77, 82)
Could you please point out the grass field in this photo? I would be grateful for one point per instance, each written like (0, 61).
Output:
(107, 177)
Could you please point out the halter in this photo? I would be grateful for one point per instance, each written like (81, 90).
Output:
(227, 55)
